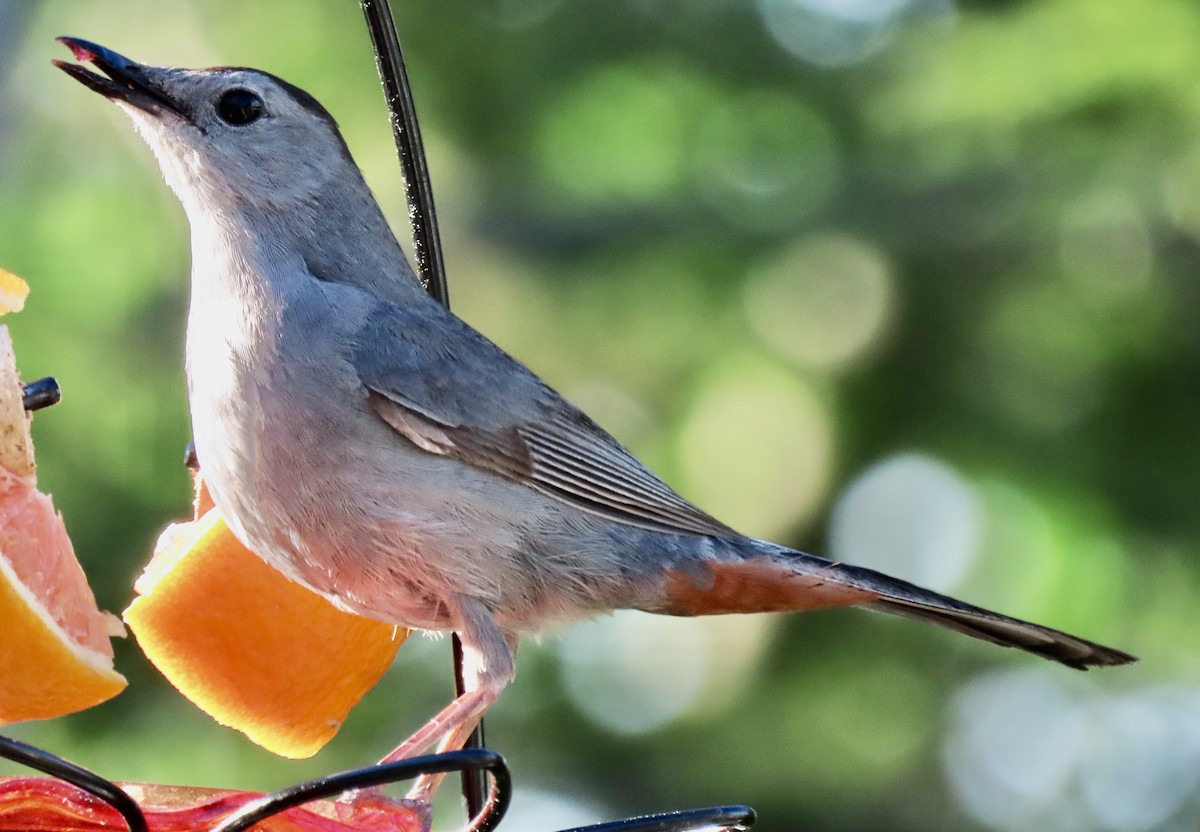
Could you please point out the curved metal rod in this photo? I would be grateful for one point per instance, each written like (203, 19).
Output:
(93, 784)
(427, 245)
(720, 817)
(377, 775)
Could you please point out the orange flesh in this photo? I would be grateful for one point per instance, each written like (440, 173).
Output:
(254, 650)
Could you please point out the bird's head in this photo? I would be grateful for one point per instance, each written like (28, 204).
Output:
(226, 137)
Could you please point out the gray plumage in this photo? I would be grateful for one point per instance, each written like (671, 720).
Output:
(372, 446)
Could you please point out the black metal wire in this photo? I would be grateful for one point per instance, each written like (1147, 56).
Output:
(721, 817)
(389, 59)
(479, 760)
(474, 759)
(41, 393)
(427, 249)
(93, 784)
(474, 787)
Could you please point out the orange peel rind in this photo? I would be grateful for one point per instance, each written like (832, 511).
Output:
(254, 650)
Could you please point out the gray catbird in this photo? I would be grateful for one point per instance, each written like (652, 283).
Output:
(370, 445)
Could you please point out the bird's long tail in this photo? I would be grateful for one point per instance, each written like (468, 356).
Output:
(773, 578)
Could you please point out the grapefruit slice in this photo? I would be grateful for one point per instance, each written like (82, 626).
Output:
(16, 445)
(55, 655)
(254, 650)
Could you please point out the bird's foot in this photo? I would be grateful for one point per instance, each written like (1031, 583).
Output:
(362, 808)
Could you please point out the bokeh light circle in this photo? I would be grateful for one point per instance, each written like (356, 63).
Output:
(757, 447)
(824, 303)
(1037, 749)
(765, 161)
(911, 516)
(633, 673)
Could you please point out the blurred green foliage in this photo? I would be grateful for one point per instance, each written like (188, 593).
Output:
(781, 249)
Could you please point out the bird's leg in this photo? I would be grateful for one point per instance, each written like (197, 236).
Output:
(488, 667)
(426, 785)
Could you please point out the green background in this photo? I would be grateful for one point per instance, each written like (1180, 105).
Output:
(908, 283)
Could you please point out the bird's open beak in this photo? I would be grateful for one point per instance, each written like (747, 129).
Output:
(127, 80)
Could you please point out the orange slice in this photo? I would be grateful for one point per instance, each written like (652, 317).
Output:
(13, 291)
(55, 655)
(251, 648)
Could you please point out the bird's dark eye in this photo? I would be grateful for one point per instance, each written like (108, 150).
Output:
(239, 107)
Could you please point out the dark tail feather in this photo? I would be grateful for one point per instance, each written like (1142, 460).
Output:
(1007, 632)
(898, 597)
(901, 598)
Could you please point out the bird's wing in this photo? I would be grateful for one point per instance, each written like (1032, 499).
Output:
(449, 391)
